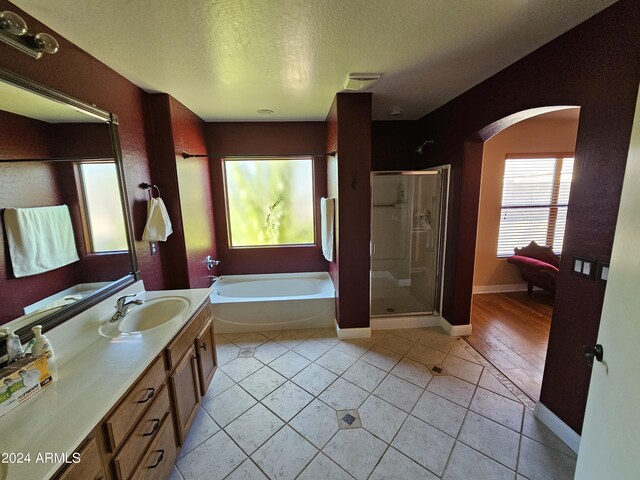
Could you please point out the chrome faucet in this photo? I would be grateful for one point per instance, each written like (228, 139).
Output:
(123, 307)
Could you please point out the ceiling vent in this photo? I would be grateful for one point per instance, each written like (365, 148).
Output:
(361, 81)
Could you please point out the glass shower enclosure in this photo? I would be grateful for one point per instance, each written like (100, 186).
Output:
(408, 228)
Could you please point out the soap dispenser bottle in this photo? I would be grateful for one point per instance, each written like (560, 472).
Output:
(43, 346)
(14, 345)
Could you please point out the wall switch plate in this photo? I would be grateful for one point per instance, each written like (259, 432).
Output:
(603, 273)
(584, 267)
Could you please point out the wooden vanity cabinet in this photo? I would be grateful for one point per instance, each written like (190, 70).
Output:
(140, 437)
(191, 361)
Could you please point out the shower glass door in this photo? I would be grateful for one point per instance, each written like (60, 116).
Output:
(408, 215)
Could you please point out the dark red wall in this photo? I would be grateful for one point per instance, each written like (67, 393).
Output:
(78, 74)
(186, 190)
(350, 129)
(594, 66)
(272, 138)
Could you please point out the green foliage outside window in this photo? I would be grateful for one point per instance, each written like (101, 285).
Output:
(270, 202)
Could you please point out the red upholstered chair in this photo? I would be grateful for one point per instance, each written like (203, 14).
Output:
(538, 266)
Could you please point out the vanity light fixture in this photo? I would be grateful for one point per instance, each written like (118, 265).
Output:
(14, 32)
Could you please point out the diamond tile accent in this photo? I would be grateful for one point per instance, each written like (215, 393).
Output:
(348, 419)
(246, 352)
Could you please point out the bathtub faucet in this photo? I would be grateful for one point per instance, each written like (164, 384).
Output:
(213, 279)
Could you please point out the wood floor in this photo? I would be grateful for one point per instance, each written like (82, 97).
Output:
(512, 331)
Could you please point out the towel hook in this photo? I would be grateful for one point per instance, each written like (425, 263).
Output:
(148, 187)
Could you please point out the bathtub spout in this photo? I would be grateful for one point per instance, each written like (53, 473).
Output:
(213, 279)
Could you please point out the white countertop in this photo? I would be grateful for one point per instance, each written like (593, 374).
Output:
(94, 372)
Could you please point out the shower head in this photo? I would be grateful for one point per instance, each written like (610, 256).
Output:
(420, 149)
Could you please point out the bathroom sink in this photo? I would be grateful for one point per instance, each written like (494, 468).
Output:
(153, 313)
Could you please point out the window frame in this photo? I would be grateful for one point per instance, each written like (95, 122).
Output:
(230, 158)
(84, 210)
(553, 206)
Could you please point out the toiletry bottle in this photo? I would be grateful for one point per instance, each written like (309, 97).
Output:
(14, 345)
(42, 345)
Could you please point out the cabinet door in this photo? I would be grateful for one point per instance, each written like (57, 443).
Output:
(185, 392)
(206, 350)
(89, 467)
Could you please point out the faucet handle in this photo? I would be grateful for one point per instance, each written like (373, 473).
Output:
(121, 300)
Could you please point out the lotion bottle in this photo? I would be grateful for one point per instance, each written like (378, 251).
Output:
(14, 345)
(43, 346)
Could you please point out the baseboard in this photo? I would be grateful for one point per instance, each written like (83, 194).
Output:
(557, 426)
(508, 287)
(455, 330)
(392, 323)
(348, 333)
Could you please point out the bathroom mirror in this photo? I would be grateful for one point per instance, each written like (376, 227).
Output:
(65, 228)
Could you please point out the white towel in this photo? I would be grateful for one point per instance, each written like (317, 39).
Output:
(327, 214)
(158, 226)
(40, 239)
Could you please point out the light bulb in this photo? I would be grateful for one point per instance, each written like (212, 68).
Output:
(13, 23)
(46, 43)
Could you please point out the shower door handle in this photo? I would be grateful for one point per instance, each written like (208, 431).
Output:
(372, 248)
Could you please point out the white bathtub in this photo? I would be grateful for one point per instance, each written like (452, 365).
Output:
(282, 301)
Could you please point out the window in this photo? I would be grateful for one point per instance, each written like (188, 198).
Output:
(103, 217)
(535, 197)
(269, 202)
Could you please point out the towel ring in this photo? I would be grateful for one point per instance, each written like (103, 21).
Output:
(149, 187)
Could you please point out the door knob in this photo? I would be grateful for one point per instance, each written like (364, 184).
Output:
(593, 352)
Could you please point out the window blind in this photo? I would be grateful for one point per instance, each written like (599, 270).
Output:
(535, 197)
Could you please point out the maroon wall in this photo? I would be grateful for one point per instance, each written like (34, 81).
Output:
(349, 130)
(78, 74)
(186, 190)
(393, 146)
(594, 66)
(272, 138)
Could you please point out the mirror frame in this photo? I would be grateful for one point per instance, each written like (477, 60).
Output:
(50, 321)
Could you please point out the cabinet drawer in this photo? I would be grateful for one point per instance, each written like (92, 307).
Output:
(184, 341)
(134, 404)
(125, 462)
(89, 467)
(159, 459)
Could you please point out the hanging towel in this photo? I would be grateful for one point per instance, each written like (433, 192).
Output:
(327, 214)
(158, 226)
(40, 239)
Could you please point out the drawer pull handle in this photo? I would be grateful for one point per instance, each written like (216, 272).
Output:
(160, 458)
(156, 425)
(150, 393)
(204, 346)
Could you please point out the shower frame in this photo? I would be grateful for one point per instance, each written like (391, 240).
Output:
(445, 171)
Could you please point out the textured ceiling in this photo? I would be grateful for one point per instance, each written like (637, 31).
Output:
(225, 59)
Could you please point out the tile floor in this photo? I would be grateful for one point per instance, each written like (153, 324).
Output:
(404, 404)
